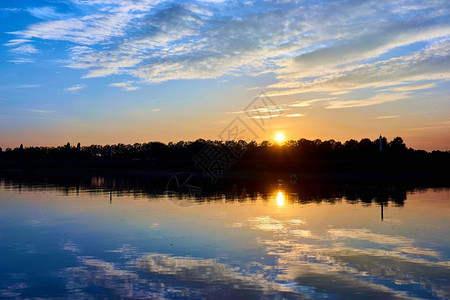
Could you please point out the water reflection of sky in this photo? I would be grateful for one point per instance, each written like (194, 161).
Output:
(80, 245)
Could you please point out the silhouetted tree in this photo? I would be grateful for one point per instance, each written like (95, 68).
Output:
(295, 155)
(397, 145)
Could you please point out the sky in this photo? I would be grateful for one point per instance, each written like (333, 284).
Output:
(110, 71)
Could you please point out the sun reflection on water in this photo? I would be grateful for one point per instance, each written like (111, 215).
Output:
(280, 198)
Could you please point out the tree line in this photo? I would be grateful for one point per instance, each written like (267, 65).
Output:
(302, 149)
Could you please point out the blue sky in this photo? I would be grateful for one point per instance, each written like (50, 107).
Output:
(105, 71)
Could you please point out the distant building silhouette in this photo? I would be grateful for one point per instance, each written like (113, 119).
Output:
(381, 144)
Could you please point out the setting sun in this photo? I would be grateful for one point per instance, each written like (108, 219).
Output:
(279, 137)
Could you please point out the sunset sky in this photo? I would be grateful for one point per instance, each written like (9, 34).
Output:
(110, 71)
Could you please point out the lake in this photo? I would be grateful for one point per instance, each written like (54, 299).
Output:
(105, 237)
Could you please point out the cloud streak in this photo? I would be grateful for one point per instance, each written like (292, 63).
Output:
(387, 117)
(126, 86)
(46, 12)
(375, 100)
(76, 88)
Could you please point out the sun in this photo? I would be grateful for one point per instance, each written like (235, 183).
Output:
(279, 137)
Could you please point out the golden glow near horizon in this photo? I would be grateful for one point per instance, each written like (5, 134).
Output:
(280, 198)
(280, 138)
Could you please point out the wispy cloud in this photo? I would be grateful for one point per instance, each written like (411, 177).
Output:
(126, 86)
(387, 117)
(375, 100)
(25, 49)
(294, 115)
(156, 109)
(21, 60)
(9, 10)
(341, 92)
(22, 51)
(40, 111)
(267, 110)
(75, 88)
(412, 87)
(266, 116)
(432, 126)
(109, 21)
(45, 12)
(15, 42)
(309, 102)
(20, 86)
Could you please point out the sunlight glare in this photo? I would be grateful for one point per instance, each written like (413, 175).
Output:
(279, 137)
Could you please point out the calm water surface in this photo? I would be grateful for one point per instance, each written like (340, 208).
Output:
(98, 242)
